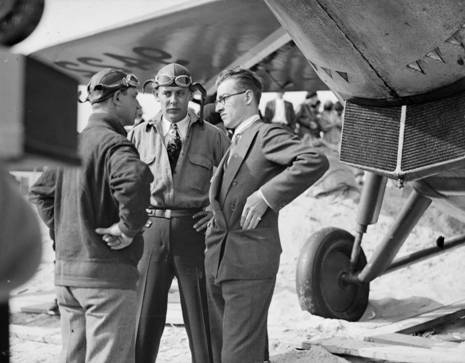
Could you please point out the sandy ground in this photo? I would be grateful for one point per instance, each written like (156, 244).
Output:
(402, 293)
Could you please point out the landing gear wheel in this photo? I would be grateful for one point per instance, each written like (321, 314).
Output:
(18, 18)
(323, 260)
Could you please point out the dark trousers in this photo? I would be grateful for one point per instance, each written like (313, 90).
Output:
(172, 248)
(238, 311)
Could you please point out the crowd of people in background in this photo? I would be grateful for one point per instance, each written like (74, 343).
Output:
(320, 125)
(310, 122)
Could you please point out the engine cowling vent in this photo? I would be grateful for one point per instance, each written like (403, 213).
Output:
(405, 142)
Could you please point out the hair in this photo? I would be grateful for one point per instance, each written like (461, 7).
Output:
(109, 97)
(310, 95)
(316, 104)
(105, 95)
(245, 78)
(328, 106)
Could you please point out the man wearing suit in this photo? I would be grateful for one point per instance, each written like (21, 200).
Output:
(280, 111)
(265, 168)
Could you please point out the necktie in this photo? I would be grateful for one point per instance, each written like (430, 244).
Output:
(173, 145)
(234, 142)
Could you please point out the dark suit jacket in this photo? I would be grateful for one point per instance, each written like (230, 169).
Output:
(288, 110)
(269, 157)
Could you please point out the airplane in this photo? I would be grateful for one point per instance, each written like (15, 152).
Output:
(399, 66)
(157, 33)
(205, 35)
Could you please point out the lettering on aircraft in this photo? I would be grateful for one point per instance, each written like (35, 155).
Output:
(146, 57)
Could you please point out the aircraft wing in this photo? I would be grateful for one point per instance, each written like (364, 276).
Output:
(205, 35)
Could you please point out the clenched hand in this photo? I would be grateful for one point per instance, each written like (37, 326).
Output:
(114, 238)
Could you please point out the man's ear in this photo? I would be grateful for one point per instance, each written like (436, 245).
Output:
(249, 96)
(155, 94)
(116, 97)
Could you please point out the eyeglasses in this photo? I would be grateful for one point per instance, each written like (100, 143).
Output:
(182, 80)
(222, 100)
(129, 81)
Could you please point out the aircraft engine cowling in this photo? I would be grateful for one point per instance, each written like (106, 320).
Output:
(400, 65)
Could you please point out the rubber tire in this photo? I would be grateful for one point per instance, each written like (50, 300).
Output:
(20, 21)
(323, 258)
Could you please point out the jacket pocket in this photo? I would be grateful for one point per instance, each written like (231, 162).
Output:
(200, 172)
(200, 160)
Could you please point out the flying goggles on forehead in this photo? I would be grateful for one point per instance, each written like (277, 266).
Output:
(182, 80)
(129, 81)
(107, 90)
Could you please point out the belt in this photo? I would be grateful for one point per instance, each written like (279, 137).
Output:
(171, 213)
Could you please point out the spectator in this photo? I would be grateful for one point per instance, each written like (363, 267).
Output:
(280, 111)
(308, 118)
(330, 123)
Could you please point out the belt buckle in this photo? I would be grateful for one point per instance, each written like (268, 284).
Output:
(154, 212)
(161, 213)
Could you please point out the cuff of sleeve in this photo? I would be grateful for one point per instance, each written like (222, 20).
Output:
(260, 193)
(126, 231)
(273, 200)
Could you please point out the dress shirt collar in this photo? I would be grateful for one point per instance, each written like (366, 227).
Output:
(244, 125)
(280, 101)
(183, 125)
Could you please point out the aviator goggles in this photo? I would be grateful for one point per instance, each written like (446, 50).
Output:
(105, 91)
(129, 81)
(182, 80)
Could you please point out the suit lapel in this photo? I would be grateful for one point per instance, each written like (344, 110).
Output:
(240, 153)
(216, 179)
(214, 189)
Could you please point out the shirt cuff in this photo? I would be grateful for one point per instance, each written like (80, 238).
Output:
(260, 193)
(125, 230)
